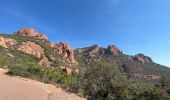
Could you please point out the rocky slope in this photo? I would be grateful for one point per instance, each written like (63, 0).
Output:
(61, 55)
(138, 67)
(48, 52)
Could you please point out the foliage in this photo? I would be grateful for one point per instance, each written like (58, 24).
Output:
(104, 81)
(98, 80)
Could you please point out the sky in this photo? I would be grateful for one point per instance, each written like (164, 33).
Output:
(134, 26)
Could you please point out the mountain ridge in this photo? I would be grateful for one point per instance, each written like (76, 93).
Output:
(30, 54)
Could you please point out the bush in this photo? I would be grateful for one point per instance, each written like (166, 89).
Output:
(104, 81)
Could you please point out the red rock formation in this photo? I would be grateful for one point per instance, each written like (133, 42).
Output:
(31, 48)
(42, 36)
(52, 44)
(65, 51)
(142, 58)
(94, 49)
(30, 32)
(112, 49)
(26, 32)
(5, 42)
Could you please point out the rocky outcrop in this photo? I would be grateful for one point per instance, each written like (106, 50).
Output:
(91, 51)
(5, 42)
(42, 36)
(35, 50)
(113, 50)
(52, 44)
(95, 50)
(31, 48)
(142, 58)
(30, 32)
(64, 50)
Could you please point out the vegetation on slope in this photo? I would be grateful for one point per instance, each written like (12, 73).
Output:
(98, 80)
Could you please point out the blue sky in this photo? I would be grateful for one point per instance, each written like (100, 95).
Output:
(135, 26)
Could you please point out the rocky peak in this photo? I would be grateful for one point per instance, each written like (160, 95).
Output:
(113, 50)
(142, 58)
(67, 52)
(64, 50)
(94, 49)
(42, 36)
(30, 32)
(26, 32)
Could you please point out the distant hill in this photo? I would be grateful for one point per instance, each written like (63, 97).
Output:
(138, 67)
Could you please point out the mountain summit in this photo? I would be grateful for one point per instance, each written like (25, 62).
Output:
(30, 32)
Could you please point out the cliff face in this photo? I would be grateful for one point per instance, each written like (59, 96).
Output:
(65, 50)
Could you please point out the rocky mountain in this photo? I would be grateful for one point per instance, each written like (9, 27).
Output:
(138, 67)
(29, 41)
(29, 53)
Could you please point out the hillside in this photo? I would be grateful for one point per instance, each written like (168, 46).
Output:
(93, 72)
(138, 67)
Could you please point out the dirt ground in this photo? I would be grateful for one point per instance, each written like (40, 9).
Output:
(16, 88)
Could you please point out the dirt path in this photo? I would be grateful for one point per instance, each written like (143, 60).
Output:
(16, 88)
